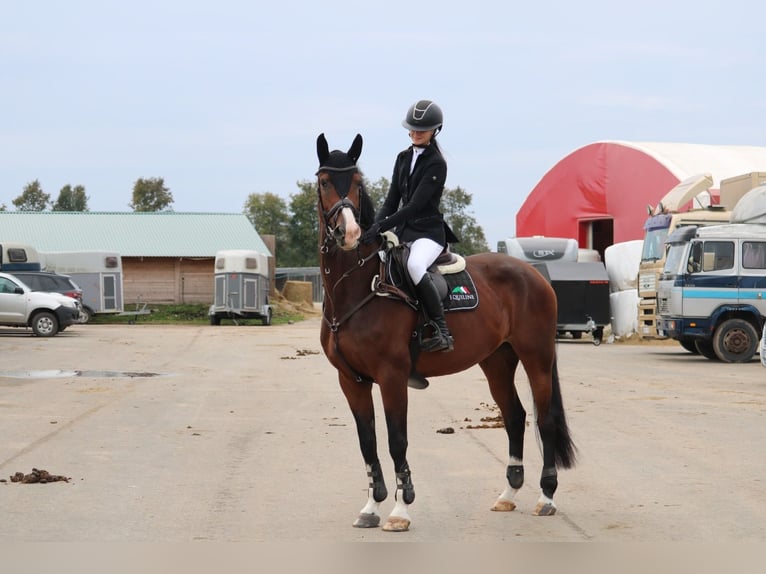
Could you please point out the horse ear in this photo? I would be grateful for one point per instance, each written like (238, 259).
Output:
(356, 148)
(323, 150)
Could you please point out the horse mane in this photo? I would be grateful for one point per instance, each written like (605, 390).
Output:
(366, 210)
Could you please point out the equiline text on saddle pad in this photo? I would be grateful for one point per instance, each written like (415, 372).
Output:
(461, 292)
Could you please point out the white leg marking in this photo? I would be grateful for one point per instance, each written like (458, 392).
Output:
(399, 519)
(371, 507)
(505, 502)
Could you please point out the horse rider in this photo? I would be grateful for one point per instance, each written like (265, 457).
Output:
(411, 209)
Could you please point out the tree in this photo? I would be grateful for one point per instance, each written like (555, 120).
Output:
(303, 248)
(267, 212)
(33, 198)
(71, 199)
(377, 190)
(151, 195)
(455, 203)
(3, 207)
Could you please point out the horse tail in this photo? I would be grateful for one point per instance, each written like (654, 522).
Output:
(566, 451)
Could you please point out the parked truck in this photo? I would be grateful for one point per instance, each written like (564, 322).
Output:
(667, 216)
(712, 291)
(45, 313)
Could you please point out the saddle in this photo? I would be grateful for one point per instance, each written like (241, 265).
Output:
(454, 283)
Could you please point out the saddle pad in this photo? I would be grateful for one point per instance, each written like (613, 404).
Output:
(461, 292)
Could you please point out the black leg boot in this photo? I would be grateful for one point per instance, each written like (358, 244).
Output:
(432, 305)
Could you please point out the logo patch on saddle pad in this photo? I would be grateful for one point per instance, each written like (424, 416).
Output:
(461, 292)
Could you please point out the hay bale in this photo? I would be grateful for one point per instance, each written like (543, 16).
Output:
(298, 291)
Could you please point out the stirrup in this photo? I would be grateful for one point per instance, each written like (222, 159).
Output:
(440, 342)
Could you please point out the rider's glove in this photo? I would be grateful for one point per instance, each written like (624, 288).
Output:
(371, 234)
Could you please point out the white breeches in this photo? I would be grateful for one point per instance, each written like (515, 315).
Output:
(423, 252)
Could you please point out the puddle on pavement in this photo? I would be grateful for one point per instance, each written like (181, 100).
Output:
(61, 374)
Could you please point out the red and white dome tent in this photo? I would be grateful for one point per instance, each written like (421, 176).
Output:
(599, 193)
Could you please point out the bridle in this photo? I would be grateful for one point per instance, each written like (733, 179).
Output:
(334, 234)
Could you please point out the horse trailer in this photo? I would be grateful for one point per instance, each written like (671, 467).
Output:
(582, 292)
(241, 288)
(18, 257)
(97, 273)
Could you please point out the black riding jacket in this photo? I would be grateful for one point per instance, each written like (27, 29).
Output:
(411, 207)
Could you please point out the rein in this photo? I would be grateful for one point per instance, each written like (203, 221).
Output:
(336, 323)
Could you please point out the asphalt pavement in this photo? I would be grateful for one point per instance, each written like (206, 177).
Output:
(177, 434)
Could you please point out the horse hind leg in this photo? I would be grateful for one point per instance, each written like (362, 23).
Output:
(500, 369)
(557, 445)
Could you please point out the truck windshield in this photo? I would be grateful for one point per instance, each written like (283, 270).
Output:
(676, 259)
(654, 244)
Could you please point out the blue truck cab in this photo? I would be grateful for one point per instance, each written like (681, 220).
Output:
(712, 291)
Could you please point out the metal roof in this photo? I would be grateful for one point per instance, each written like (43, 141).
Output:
(132, 234)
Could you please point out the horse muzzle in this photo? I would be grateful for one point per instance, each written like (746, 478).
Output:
(347, 233)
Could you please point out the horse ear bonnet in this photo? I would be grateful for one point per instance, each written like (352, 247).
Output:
(337, 160)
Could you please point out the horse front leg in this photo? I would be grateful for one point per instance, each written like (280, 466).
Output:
(359, 397)
(394, 394)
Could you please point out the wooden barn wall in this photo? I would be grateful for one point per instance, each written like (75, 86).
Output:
(167, 280)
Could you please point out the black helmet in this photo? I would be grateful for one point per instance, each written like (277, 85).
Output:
(423, 116)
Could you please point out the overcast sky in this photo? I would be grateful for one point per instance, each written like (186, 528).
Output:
(226, 98)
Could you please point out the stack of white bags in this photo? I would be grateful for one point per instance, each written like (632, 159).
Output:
(621, 261)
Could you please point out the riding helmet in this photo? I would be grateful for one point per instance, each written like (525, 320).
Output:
(422, 116)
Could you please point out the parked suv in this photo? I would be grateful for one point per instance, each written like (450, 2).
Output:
(46, 313)
(50, 282)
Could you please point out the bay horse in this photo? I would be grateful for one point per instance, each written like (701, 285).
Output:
(367, 339)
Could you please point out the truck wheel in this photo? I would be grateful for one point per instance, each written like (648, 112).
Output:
(45, 324)
(267, 318)
(735, 341)
(689, 345)
(705, 348)
(215, 320)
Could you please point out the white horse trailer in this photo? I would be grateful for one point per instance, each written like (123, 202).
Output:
(18, 257)
(97, 273)
(241, 287)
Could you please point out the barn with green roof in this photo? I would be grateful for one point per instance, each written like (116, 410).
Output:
(167, 257)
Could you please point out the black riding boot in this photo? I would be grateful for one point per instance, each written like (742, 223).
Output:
(432, 305)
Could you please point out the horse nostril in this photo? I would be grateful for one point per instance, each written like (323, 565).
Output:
(340, 233)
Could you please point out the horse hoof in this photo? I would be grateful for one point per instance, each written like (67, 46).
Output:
(544, 509)
(367, 521)
(395, 524)
(504, 506)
